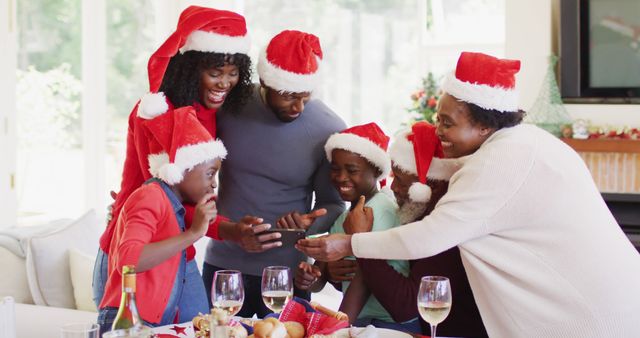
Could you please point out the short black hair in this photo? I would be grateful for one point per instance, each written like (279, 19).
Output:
(182, 78)
(494, 119)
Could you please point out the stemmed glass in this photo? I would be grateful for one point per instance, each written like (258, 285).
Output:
(277, 287)
(227, 292)
(434, 300)
(80, 330)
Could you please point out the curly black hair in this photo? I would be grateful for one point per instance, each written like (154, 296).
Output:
(182, 78)
(494, 119)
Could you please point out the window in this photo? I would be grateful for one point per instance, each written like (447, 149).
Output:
(65, 165)
(49, 158)
(376, 52)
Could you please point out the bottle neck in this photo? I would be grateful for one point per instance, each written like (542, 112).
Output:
(129, 283)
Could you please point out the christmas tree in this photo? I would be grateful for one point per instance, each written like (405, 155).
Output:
(425, 101)
(547, 111)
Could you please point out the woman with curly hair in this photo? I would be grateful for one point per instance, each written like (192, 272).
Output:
(203, 64)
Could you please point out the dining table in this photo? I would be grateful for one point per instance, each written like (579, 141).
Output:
(185, 330)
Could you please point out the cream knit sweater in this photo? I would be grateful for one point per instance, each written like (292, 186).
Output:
(544, 256)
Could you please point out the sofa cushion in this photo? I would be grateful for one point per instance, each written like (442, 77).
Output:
(81, 266)
(48, 262)
(16, 285)
(14, 238)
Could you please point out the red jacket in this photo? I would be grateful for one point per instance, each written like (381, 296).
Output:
(136, 172)
(147, 217)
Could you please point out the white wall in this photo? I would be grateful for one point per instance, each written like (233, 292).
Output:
(531, 35)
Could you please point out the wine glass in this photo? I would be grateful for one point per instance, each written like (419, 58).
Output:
(227, 292)
(277, 287)
(80, 330)
(434, 300)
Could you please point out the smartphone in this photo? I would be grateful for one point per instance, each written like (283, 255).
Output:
(288, 237)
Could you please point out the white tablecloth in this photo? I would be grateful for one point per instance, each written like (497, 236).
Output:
(185, 330)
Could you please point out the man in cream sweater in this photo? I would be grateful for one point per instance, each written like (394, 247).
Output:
(543, 254)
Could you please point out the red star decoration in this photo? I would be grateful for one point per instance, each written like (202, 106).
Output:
(178, 329)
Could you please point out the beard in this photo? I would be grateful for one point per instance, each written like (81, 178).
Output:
(411, 211)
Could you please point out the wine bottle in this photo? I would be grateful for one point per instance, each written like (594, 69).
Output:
(128, 316)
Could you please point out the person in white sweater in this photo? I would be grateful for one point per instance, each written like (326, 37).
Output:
(543, 253)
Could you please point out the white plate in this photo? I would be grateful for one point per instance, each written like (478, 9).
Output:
(381, 333)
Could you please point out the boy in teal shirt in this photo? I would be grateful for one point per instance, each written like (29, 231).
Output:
(358, 161)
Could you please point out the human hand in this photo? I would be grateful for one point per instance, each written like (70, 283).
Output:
(295, 220)
(205, 212)
(306, 275)
(249, 231)
(326, 248)
(341, 270)
(114, 195)
(360, 219)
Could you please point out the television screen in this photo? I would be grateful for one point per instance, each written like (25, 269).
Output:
(614, 43)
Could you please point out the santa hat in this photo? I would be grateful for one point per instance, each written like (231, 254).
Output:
(178, 142)
(368, 141)
(418, 151)
(200, 29)
(291, 62)
(485, 81)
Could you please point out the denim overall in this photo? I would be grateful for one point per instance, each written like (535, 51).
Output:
(188, 296)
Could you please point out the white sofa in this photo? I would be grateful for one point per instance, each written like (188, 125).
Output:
(47, 270)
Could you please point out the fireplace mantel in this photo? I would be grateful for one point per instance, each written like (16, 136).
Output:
(615, 167)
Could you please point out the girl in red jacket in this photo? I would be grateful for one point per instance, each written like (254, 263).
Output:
(151, 232)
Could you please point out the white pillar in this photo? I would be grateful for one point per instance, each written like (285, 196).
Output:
(529, 39)
(8, 65)
(94, 42)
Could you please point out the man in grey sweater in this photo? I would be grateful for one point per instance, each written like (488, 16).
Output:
(276, 163)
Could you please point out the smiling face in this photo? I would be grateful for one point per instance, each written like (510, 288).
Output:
(216, 83)
(287, 106)
(352, 175)
(459, 135)
(199, 181)
(401, 183)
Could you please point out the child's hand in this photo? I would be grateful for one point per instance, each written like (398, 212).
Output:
(205, 212)
(294, 220)
(360, 219)
(306, 275)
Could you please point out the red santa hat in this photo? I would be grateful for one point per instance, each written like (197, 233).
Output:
(200, 29)
(368, 141)
(418, 151)
(178, 142)
(291, 62)
(485, 81)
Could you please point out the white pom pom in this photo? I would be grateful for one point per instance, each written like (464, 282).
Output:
(170, 173)
(152, 105)
(419, 192)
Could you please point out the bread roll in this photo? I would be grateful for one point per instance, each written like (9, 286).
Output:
(294, 329)
(269, 328)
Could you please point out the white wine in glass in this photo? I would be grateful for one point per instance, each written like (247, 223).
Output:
(276, 300)
(227, 292)
(277, 287)
(434, 300)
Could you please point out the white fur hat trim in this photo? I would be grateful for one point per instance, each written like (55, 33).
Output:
(361, 146)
